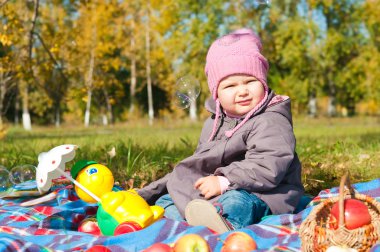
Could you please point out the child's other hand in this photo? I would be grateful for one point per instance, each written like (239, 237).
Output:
(208, 186)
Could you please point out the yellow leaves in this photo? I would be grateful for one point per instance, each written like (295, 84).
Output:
(54, 49)
(3, 132)
(112, 101)
(4, 39)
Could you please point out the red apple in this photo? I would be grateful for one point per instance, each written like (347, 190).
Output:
(91, 210)
(355, 214)
(159, 247)
(98, 248)
(90, 226)
(127, 227)
(77, 217)
(191, 243)
(238, 242)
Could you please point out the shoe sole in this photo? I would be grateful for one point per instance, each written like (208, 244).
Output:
(202, 213)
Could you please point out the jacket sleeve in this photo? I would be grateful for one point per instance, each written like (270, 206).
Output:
(158, 188)
(206, 131)
(154, 190)
(270, 152)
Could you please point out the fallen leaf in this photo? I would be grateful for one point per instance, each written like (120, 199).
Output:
(112, 152)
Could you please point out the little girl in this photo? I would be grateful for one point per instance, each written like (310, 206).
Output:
(245, 166)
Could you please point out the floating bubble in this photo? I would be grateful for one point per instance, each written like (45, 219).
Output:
(22, 173)
(181, 100)
(187, 91)
(5, 183)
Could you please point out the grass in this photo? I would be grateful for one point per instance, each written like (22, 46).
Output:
(329, 147)
(326, 147)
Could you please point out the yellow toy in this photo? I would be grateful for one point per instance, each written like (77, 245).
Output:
(119, 212)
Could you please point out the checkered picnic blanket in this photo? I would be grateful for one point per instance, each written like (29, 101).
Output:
(52, 226)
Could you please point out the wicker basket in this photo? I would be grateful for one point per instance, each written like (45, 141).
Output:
(317, 234)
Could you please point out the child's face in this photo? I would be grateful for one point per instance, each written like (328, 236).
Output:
(239, 94)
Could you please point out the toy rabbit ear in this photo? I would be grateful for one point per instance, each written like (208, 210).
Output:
(43, 181)
(66, 151)
(41, 156)
(57, 174)
(51, 162)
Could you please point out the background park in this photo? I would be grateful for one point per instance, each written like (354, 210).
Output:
(104, 74)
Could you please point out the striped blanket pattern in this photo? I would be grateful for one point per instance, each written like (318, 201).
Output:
(52, 226)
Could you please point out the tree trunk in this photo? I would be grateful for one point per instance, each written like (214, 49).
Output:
(133, 71)
(331, 106)
(17, 109)
(89, 82)
(148, 69)
(57, 115)
(3, 88)
(1, 116)
(351, 108)
(108, 114)
(312, 105)
(104, 118)
(88, 107)
(26, 121)
(193, 110)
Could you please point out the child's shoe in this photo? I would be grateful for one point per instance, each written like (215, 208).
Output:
(202, 213)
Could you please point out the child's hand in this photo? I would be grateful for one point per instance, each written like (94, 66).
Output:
(208, 186)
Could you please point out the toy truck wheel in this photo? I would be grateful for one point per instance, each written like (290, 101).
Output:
(127, 227)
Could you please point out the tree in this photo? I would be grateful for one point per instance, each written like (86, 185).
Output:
(341, 43)
(51, 73)
(192, 32)
(20, 30)
(7, 84)
(148, 66)
(95, 45)
(369, 58)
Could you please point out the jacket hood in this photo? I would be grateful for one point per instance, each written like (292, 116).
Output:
(281, 104)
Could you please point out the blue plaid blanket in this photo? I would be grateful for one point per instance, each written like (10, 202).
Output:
(52, 226)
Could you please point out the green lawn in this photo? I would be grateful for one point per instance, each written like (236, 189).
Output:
(326, 147)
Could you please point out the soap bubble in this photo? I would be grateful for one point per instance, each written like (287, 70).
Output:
(5, 183)
(186, 91)
(182, 100)
(22, 173)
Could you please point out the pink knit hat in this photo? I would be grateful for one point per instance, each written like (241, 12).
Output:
(236, 53)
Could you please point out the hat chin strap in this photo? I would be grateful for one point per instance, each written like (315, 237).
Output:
(229, 133)
(217, 113)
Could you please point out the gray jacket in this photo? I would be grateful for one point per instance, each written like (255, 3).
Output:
(260, 158)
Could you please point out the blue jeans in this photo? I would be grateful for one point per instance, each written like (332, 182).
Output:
(238, 207)
(171, 211)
